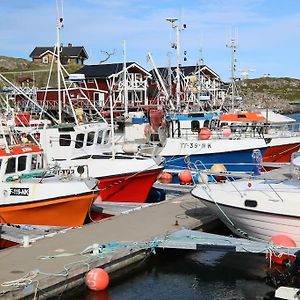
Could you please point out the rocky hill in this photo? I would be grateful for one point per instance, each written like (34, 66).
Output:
(271, 92)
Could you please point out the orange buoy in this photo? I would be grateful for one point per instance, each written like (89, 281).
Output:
(165, 177)
(282, 240)
(204, 133)
(218, 168)
(226, 131)
(97, 279)
(185, 177)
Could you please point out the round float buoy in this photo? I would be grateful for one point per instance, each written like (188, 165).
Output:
(226, 131)
(282, 240)
(204, 133)
(185, 177)
(97, 279)
(165, 177)
(218, 168)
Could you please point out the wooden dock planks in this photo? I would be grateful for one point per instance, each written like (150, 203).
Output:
(134, 228)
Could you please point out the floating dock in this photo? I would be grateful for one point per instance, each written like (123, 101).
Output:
(59, 261)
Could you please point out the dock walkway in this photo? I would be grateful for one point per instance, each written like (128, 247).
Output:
(59, 262)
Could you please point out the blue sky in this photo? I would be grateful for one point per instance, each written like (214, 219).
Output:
(268, 31)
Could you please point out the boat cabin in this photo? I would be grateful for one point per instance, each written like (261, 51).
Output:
(71, 141)
(18, 161)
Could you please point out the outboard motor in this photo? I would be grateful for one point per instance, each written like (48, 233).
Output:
(285, 275)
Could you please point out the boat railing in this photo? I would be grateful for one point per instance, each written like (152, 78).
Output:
(240, 132)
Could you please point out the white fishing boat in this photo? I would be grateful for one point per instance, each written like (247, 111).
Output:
(258, 207)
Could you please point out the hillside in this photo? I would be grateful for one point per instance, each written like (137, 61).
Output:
(15, 68)
(271, 92)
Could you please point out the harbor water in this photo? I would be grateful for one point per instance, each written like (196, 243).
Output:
(178, 274)
(174, 274)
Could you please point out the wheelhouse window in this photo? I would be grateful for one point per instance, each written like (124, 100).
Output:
(106, 137)
(22, 163)
(11, 165)
(79, 140)
(37, 162)
(65, 140)
(90, 138)
(100, 137)
(195, 126)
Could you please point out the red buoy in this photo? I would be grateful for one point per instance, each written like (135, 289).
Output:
(185, 177)
(282, 240)
(204, 133)
(97, 279)
(165, 177)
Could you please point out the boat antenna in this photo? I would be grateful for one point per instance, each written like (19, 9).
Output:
(59, 26)
(233, 44)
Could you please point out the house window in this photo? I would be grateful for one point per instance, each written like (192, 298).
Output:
(139, 96)
(99, 98)
(138, 77)
(90, 138)
(65, 140)
(79, 140)
(90, 80)
(45, 59)
(21, 163)
(11, 165)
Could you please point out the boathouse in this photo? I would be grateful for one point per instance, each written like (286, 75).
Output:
(130, 90)
(198, 84)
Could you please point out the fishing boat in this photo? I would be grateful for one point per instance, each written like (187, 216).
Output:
(86, 150)
(198, 140)
(257, 207)
(33, 194)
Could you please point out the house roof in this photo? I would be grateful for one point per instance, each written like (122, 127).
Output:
(187, 70)
(70, 51)
(107, 70)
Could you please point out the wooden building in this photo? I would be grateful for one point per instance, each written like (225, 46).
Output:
(130, 91)
(69, 55)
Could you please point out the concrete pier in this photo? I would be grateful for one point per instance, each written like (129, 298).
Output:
(57, 263)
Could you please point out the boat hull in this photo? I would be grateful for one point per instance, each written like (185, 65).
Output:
(66, 211)
(233, 161)
(133, 187)
(281, 153)
(274, 210)
(234, 154)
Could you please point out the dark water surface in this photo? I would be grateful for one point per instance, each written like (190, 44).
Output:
(189, 275)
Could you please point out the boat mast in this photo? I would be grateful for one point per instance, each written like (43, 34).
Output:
(176, 46)
(160, 80)
(125, 81)
(59, 25)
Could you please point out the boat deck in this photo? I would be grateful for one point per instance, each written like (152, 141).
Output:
(60, 261)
